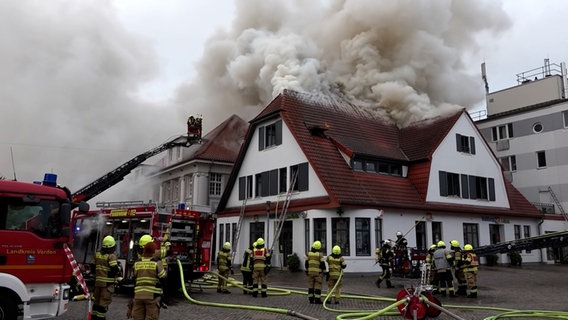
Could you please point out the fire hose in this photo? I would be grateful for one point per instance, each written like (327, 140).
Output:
(410, 303)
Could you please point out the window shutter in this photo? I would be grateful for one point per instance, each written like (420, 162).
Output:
(260, 138)
(443, 184)
(491, 189)
(464, 187)
(459, 146)
(273, 184)
(472, 189)
(472, 145)
(278, 126)
(242, 188)
(265, 184)
(303, 183)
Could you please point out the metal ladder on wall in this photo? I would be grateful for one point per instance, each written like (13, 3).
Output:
(282, 217)
(558, 203)
(239, 227)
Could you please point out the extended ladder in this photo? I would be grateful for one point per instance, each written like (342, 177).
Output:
(239, 226)
(285, 206)
(558, 203)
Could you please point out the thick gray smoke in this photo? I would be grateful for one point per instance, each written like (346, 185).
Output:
(406, 57)
(69, 74)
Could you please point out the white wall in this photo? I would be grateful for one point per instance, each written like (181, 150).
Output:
(482, 164)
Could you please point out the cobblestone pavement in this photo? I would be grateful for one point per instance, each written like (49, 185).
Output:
(531, 287)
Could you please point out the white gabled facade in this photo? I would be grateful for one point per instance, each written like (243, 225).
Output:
(481, 163)
(359, 229)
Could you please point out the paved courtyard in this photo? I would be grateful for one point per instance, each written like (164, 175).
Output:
(501, 288)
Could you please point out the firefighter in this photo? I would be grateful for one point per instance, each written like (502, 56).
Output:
(246, 269)
(385, 259)
(149, 279)
(105, 272)
(261, 266)
(458, 267)
(431, 268)
(336, 263)
(401, 261)
(224, 266)
(443, 266)
(315, 267)
(470, 264)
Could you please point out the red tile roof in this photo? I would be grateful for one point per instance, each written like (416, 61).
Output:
(322, 126)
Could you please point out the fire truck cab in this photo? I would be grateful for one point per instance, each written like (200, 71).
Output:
(34, 268)
(189, 234)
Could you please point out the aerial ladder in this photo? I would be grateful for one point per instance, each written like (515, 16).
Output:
(115, 176)
(550, 240)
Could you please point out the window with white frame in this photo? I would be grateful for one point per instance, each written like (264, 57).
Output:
(270, 135)
(509, 163)
(188, 181)
(465, 144)
(363, 236)
(340, 234)
(502, 132)
(214, 184)
(527, 234)
(471, 234)
(541, 159)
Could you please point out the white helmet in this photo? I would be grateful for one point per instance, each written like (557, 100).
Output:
(398, 233)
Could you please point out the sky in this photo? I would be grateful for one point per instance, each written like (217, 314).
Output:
(87, 85)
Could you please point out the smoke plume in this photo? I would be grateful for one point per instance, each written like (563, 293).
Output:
(406, 58)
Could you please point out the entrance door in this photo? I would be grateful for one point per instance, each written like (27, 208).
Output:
(285, 242)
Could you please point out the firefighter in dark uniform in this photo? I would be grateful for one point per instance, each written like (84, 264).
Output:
(246, 269)
(470, 264)
(385, 258)
(224, 266)
(315, 268)
(458, 267)
(336, 263)
(149, 277)
(105, 272)
(261, 267)
(443, 265)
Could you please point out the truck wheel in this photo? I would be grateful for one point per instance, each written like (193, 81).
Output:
(8, 308)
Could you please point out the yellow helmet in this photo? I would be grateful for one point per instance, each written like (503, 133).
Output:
(468, 247)
(227, 246)
(108, 242)
(259, 242)
(316, 245)
(144, 240)
(336, 250)
(441, 244)
(433, 246)
(454, 243)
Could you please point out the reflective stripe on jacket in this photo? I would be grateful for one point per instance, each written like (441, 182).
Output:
(147, 273)
(104, 263)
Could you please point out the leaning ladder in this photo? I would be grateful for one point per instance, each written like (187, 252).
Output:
(239, 226)
(285, 206)
(558, 203)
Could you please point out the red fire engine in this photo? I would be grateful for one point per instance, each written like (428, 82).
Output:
(188, 232)
(34, 229)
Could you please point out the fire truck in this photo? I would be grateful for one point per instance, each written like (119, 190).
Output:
(188, 232)
(34, 229)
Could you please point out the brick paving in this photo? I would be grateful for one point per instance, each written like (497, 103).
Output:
(531, 287)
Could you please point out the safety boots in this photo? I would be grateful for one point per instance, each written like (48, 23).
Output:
(472, 295)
